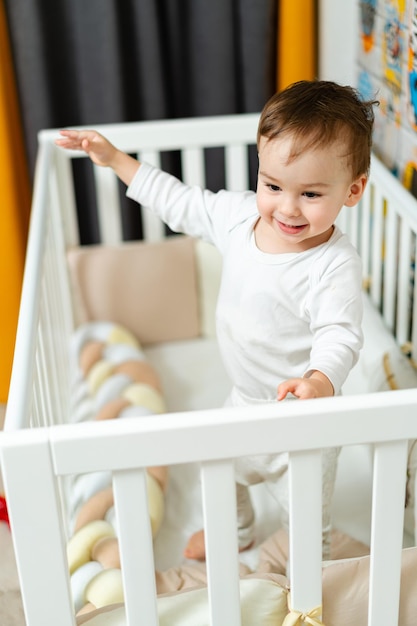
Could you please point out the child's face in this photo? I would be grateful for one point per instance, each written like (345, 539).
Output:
(298, 201)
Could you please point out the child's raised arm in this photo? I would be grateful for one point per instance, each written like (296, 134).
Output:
(100, 151)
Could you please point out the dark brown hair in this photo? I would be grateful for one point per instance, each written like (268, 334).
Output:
(318, 113)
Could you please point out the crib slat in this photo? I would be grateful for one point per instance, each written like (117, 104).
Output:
(62, 195)
(108, 205)
(365, 239)
(342, 220)
(220, 523)
(34, 513)
(58, 248)
(387, 525)
(390, 463)
(56, 311)
(404, 284)
(153, 227)
(354, 228)
(377, 247)
(51, 366)
(34, 408)
(47, 415)
(135, 545)
(193, 170)
(237, 169)
(305, 553)
(390, 269)
(414, 311)
(349, 224)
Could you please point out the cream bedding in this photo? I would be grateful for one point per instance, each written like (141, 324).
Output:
(265, 599)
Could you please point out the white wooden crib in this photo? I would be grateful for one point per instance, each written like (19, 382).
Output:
(44, 446)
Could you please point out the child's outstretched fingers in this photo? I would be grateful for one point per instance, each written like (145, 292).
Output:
(91, 142)
(316, 386)
(302, 388)
(286, 387)
(74, 139)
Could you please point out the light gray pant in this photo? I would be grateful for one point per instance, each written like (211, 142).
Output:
(273, 469)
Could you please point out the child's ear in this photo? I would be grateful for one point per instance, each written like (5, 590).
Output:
(356, 190)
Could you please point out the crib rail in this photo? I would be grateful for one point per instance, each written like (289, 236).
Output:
(127, 446)
(149, 141)
(383, 227)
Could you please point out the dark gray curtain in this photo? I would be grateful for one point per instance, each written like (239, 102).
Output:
(97, 61)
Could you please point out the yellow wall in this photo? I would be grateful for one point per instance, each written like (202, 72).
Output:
(14, 208)
(297, 45)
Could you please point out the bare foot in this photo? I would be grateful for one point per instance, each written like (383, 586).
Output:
(196, 548)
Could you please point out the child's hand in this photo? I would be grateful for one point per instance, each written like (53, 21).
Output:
(317, 385)
(99, 149)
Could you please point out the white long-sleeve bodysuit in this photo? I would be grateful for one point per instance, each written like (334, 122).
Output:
(278, 316)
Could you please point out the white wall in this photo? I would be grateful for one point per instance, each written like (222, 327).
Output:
(338, 39)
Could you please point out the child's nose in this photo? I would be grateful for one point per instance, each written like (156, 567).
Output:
(289, 206)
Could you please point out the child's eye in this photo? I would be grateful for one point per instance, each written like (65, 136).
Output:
(311, 194)
(274, 187)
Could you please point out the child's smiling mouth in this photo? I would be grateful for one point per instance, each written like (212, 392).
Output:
(291, 229)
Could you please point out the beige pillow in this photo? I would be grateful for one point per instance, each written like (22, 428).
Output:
(150, 288)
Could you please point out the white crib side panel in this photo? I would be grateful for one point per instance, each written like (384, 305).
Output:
(55, 318)
(20, 392)
(37, 529)
(45, 316)
(393, 247)
(212, 437)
